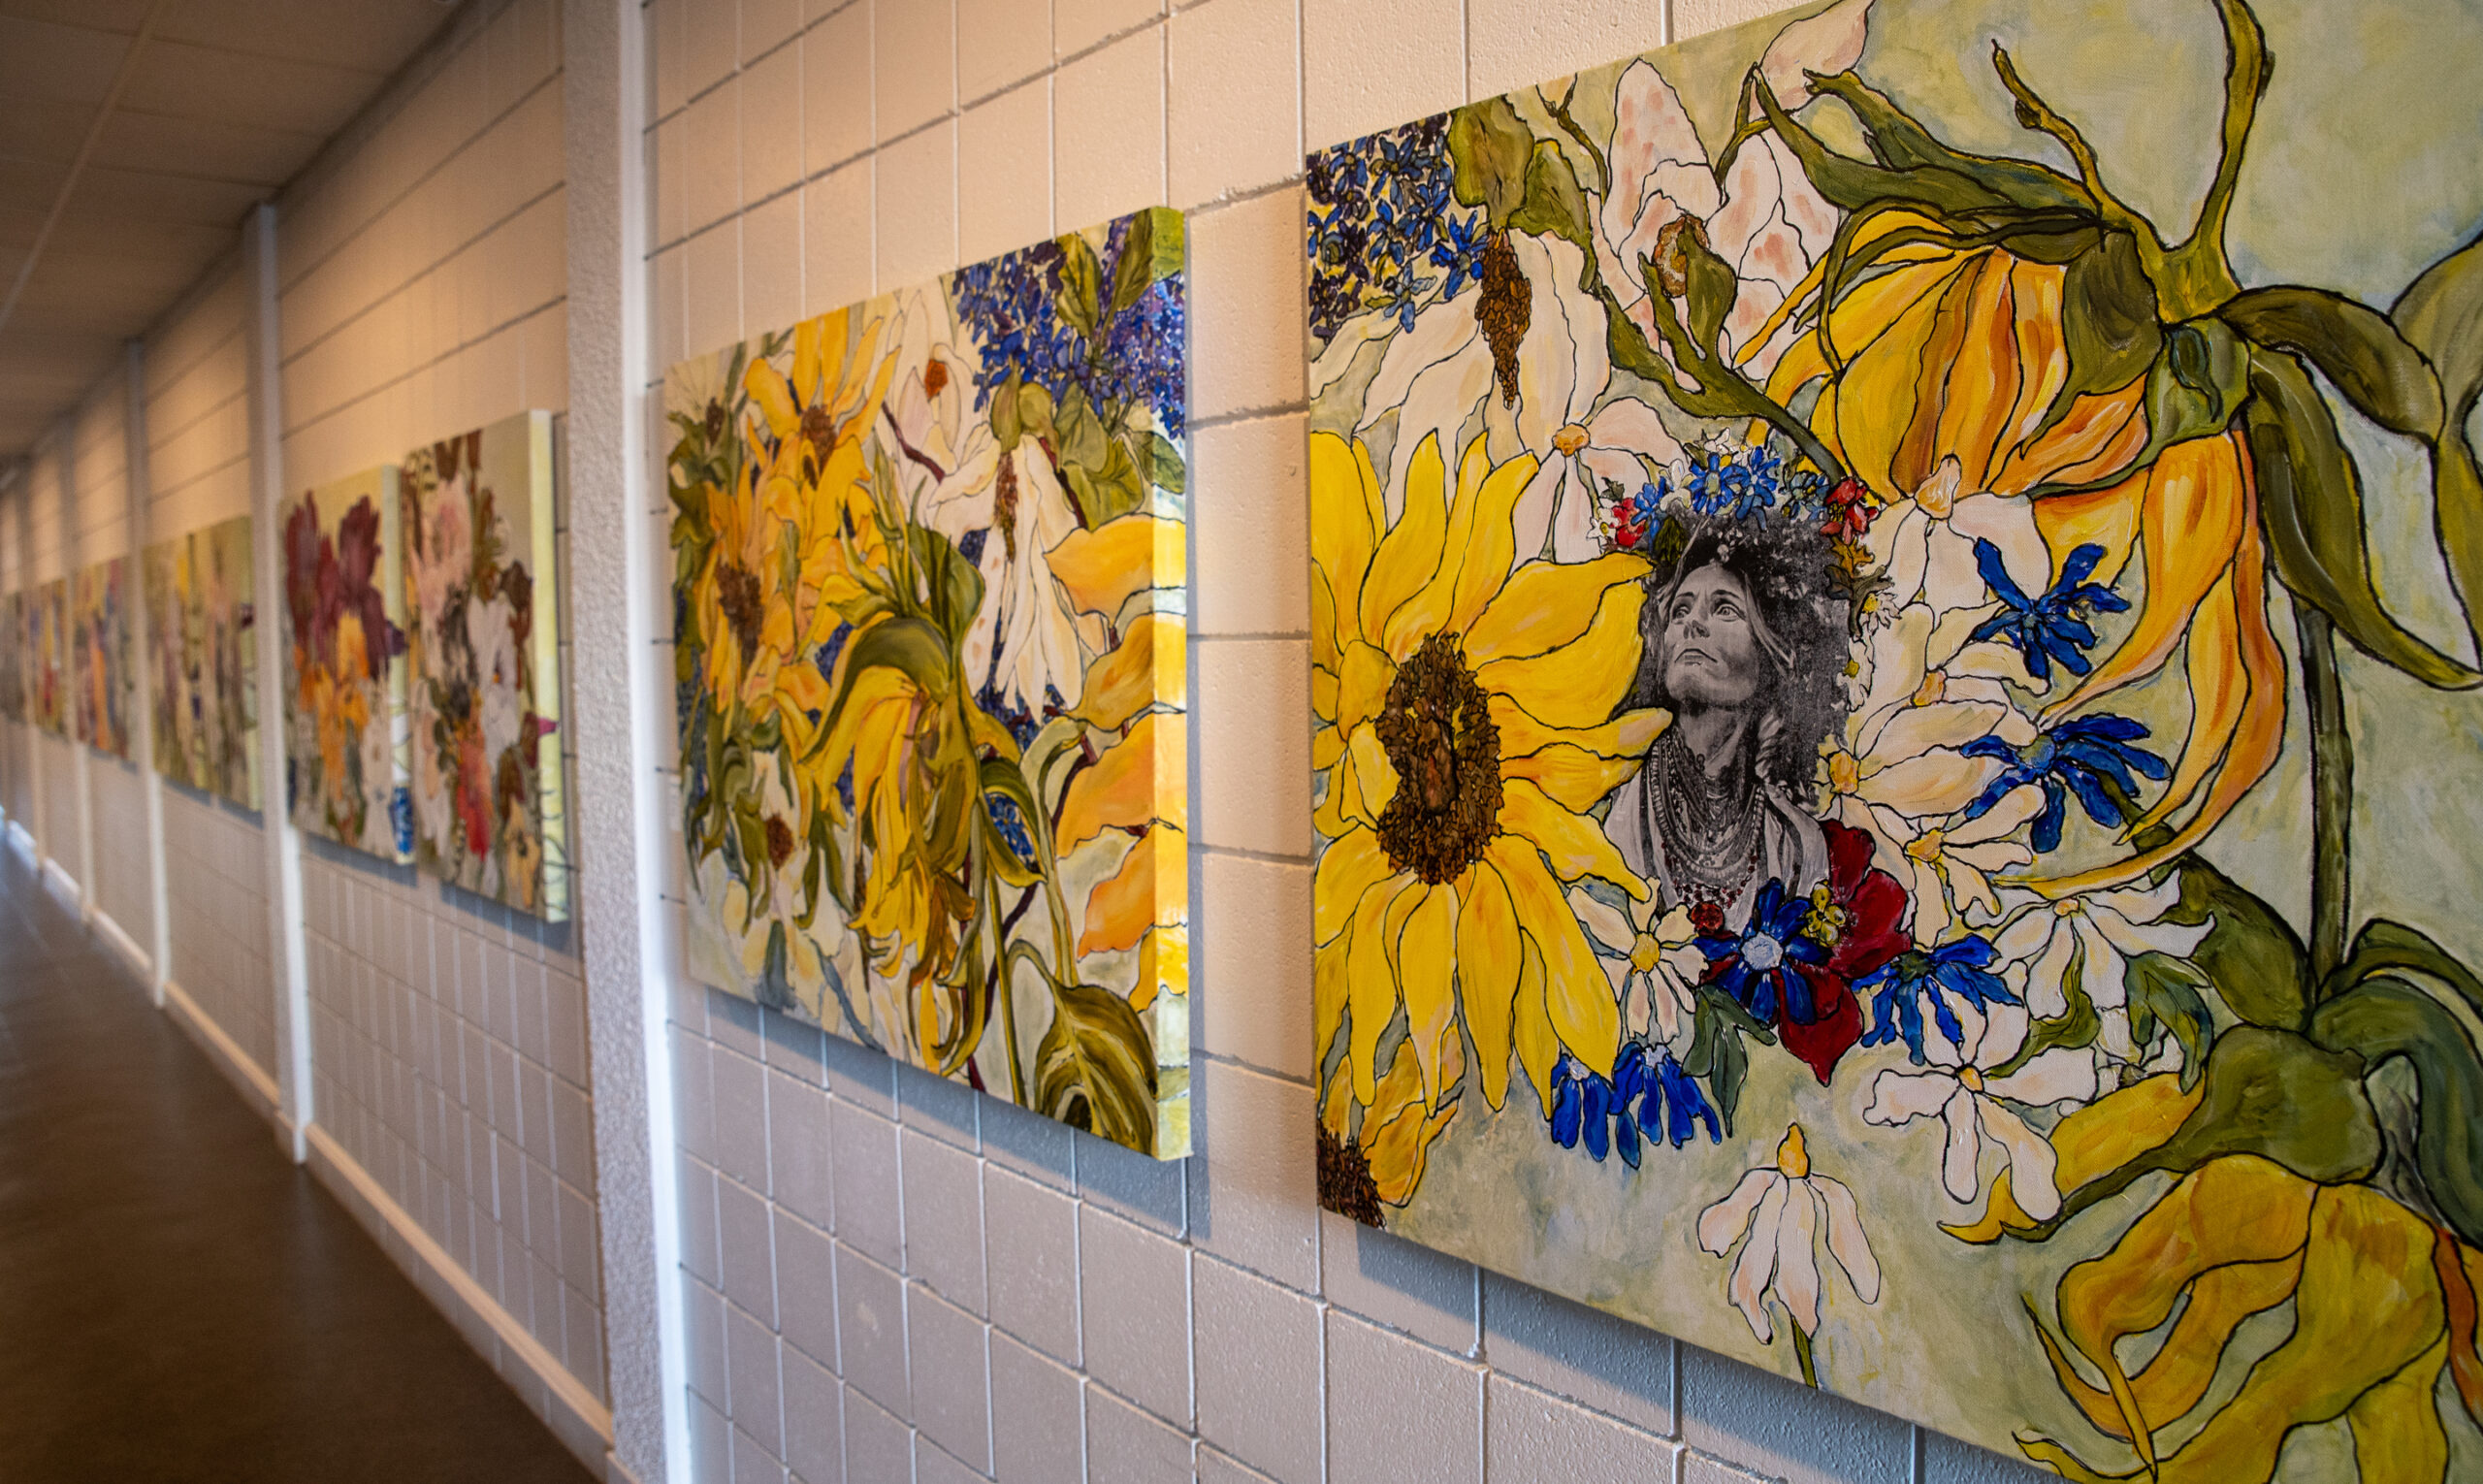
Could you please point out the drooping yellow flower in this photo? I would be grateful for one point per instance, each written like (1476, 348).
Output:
(1465, 708)
(1380, 1161)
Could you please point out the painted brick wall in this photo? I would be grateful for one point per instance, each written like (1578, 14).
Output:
(421, 270)
(198, 473)
(889, 1279)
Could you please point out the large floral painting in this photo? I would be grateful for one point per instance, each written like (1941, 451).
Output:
(344, 696)
(483, 664)
(929, 624)
(12, 656)
(1853, 559)
(47, 682)
(99, 651)
(203, 658)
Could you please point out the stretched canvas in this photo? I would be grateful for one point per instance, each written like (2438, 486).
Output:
(345, 697)
(47, 644)
(12, 658)
(204, 689)
(1853, 559)
(928, 620)
(483, 664)
(99, 640)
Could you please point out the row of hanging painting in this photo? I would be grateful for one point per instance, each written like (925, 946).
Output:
(422, 690)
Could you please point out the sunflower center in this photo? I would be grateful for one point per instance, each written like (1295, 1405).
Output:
(1437, 727)
(1761, 952)
(737, 594)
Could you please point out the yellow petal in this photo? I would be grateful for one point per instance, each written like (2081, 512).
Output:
(1345, 518)
(1148, 668)
(1569, 775)
(1580, 683)
(1626, 735)
(1150, 889)
(1492, 543)
(766, 387)
(1142, 777)
(1409, 554)
(1395, 1144)
(1352, 865)
(1426, 977)
(1489, 958)
(1329, 980)
(806, 353)
(2397, 1438)
(1371, 981)
(1099, 570)
(1577, 992)
(1163, 966)
(1538, 1047)
(1363, 677)
(1575, 844)
(1547, 604)
(1374, 776)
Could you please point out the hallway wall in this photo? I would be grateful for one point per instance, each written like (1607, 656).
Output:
(421, 267)
(198, 469)
(886, 1273)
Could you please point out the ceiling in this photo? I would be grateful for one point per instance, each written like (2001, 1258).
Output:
(221, 103)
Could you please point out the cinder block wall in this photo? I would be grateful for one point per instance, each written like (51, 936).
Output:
(889, 1279)
(421, 264)
(198, 473)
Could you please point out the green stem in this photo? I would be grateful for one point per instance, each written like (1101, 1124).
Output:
(1802, 1352)
(2332, 794)
(1007, 991)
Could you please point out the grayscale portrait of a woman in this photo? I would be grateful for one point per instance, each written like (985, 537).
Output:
(1739, 648)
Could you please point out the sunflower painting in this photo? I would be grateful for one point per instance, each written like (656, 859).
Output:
(930, 632)
(204, 662)
(483, 664)
(47, 682)
(345, 735)
(98, 657)
(1852, 562)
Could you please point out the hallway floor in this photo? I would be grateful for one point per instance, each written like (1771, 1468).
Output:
(177, 1301)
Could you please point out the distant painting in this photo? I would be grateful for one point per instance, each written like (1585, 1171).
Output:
(204, 660)
(483, 664)
(1896, 630)
(344, 697)
(99, 636)
(49, 685)
(929, 620)
(12, 658)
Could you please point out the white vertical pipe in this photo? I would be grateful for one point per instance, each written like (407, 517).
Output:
(142, 490)
(283, 847)
(620, 706)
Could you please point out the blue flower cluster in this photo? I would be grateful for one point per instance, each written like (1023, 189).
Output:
(1012, 306)
(1747, 483)
(2079, 756)
(1647, 1092)
(1765, 966)
(2052, 625)
(1385, 228)
(1899, 988)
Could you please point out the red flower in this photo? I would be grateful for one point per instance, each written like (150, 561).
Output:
(1866, 911)
(1849, 511)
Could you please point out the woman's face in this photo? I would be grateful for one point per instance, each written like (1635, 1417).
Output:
(1711, 655)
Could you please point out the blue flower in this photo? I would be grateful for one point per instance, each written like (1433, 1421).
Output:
(1741, 486)
(2054, 626)
(1674, 1104)
(2078, 756)
(1011, 824)
(1762, 968)
(1583, 1106)
(1898, 988)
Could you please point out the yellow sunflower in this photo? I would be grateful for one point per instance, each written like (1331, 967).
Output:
(1465, 723)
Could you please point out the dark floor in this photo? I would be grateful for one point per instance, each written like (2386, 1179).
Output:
(177, 1301)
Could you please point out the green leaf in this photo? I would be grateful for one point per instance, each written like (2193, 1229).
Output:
(2074, 1028)
(2165, 990)
(1554, 205)
(1095, 1069)
(2108, 323)
(1852, 184)
(1902, 144)
(2384, 945)
(1163, 464)
(2442, 315)
(1712, 287)
(1717, 1051)
(1084, 279)
(1489, 150)
(1117, 489)
(2275, 1095)
(2383, 1017)
(2311, 505)
(1006, 420)
(2353, 346)
(956, 587)
(2255, 959)
(1152, 250)
(912, 646)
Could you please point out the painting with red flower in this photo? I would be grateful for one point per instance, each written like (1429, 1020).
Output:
(482, 664)
(345, 697)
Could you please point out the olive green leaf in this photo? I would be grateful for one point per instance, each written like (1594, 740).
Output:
(2165, 990)
(1163, 464)
(1153, 249)
(2257, 963)
(1083, 278)
(2355, 346)
(2384, 945)
(1489, 150)
(2386, 1017)
(2074, 1027)
(1094, 1069)
(2442, 315)
(912, 646)
(2108, 323)
(1901, 144)
(2311, 505)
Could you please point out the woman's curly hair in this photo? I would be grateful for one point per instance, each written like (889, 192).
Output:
(1783, 565)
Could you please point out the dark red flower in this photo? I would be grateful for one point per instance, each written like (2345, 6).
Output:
(1849, 511)
(1866, 911)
